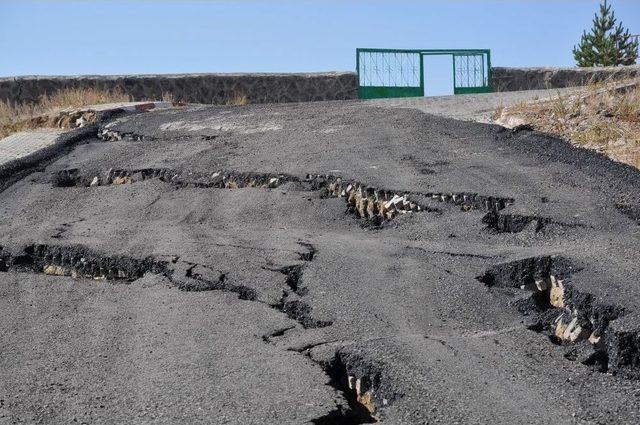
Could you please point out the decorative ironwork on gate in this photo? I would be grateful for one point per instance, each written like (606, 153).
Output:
(400, 72)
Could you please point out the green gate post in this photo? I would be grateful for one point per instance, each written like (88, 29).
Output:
(453, 61)
(489, 71)
(422, 74)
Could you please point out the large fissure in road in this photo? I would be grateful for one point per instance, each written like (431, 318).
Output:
(570, 317)
(79, 262)
(373, 204)
(448, 248)
(555, 307)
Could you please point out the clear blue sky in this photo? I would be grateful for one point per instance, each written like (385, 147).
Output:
(115, 37)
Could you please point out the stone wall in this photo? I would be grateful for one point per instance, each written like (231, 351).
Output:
(194, 88)
(514, 79)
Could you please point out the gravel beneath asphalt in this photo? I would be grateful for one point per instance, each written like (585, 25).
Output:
(199, 265)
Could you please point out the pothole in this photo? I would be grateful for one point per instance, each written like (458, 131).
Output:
(586, 327)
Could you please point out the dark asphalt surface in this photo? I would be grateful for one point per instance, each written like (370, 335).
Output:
(423, 313)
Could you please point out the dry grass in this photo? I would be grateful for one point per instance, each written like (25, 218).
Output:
(604, 117)
(47, 111)
(237, 99)
(169, 97)
(76, 98)
(61, 109)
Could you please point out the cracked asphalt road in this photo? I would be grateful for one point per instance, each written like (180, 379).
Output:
(150, 285)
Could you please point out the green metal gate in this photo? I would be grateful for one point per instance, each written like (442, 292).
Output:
(400, 72)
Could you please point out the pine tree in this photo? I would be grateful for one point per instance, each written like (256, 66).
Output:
(606, 44)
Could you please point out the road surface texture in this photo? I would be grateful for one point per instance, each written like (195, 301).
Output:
(322, 263)
(19, 145)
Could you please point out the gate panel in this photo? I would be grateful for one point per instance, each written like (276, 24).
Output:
(399, 72)
(389, 73)
(471, 73)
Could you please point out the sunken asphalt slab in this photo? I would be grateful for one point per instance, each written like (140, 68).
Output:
(135, 287)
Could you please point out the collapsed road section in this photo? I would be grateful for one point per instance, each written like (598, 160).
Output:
(364, 201)
(572, 318)
(204, 265)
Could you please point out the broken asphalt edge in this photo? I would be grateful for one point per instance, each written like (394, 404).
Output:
(14, 170)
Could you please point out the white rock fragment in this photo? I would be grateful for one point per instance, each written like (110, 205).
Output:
(358, 387)
(542, 284)
(573, 332)
(556, 297)
(393, 202)
(351, 382)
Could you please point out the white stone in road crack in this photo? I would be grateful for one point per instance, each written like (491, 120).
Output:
(395, 201)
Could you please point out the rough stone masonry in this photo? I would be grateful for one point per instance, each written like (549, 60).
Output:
(280, 88)
(193, 88)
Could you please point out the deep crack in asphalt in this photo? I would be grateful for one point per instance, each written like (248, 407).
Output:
(358, 305)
